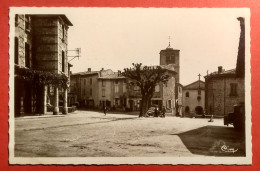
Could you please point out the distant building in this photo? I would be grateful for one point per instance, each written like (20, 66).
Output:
(223, 88)
(95, 89)
(171, 56)
(40, 53)
(194, 98)
(164, 94)
(115, 91)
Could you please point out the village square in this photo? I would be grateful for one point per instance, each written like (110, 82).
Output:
(140, 110)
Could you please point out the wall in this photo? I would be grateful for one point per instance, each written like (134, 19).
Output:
(87, 86)
(167, 53)
(24, 36)
(192, 102)
(169, 93)
(218, 95)
(49, 44)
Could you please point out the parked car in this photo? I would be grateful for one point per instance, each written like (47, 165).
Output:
(151, 112)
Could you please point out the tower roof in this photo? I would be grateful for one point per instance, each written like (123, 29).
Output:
(169, 46)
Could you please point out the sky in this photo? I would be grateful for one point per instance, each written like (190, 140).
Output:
(114, 38)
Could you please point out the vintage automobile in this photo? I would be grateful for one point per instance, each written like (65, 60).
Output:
(151, 112)
(237, 118)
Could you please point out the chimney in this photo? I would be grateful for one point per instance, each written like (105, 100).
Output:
(89, 69)
(240, 68)
(220, 69)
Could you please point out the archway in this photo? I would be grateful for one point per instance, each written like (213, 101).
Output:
(199, 110)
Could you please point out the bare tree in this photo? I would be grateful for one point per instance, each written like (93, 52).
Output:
(146, 78)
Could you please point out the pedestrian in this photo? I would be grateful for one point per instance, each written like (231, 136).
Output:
(105, 110)
(156, 112)
(163, 112)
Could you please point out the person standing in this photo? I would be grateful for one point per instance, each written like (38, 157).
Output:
(163, 112)
(105, 110)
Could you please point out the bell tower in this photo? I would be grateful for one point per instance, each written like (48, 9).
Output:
(171, 56)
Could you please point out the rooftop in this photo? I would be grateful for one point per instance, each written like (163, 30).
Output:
(195, 85)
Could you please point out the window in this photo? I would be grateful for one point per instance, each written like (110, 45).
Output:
(116, 81)
(63, 32)
(233, 89)
(27, 55)
(27, 22)
(103, 93)
(63, 61)
(170, 59)
(16, 19)
(199, 92)
(84, 82)
(103, 83)
(116, 88)
(157, 88)
(16, 50)
(179, 89)
(84, 92)
(90, 81)
(187, 94)
(90, 92)
(124, 88)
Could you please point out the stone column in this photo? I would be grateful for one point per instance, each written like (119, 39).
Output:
(56, 101)
(65, 104)
(21, 107)
(44, 99)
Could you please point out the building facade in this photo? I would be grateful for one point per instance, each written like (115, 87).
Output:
(115, 91)
(224, 89)
(41, 63)
(194, 98)
(171, 56)
(96, 89)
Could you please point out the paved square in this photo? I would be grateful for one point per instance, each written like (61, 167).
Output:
(91, 134)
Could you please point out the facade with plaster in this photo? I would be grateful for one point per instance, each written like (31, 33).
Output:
(194, 98)
(95, 89)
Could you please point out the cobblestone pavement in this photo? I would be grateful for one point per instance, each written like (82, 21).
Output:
(91, 134)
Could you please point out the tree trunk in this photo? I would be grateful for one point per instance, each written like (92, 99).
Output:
(144, 105)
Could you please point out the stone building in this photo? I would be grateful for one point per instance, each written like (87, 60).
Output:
(41, 63)
(171, 56)
(224, 89)
(194, 98)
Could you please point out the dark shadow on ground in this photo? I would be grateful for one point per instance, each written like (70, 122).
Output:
(214, 141)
